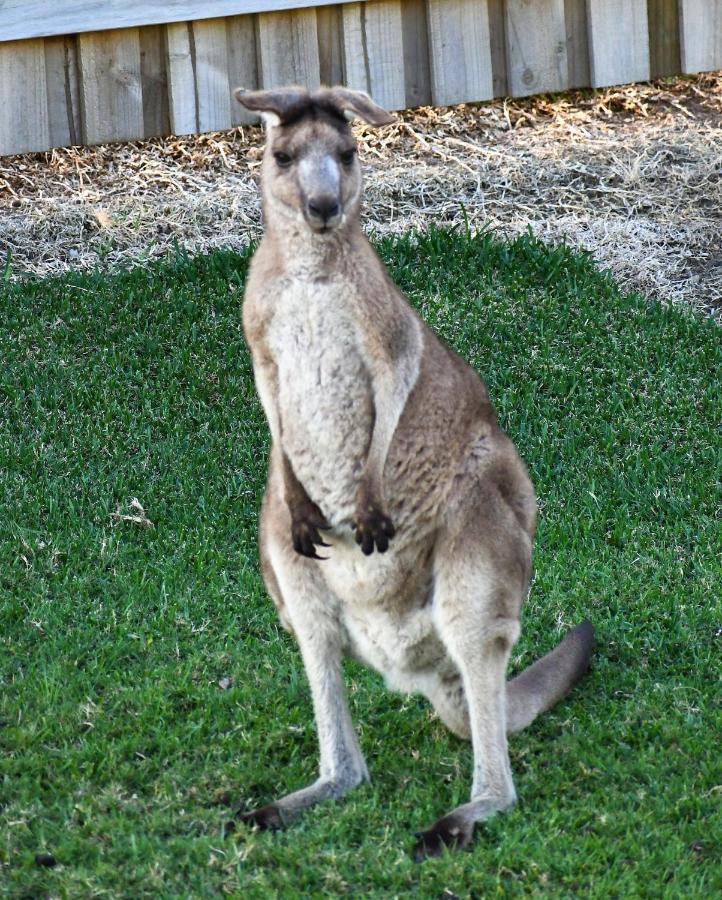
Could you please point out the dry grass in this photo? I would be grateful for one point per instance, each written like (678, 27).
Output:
(633, 174)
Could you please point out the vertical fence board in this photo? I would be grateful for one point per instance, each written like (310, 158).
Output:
(24, 122)
(664, 55)
(701, 27)
(111, 100)
(618, 41)
(181, 79)
(287, 45)
(210, 58)
(61, 70)
(373, 50)
(330, 44)
(59, 116)
(417, 75)
(536, 48)
(242, 64)
(575, 17)
(497, 38)
(72, 64)
(154, 81)
(460, 51)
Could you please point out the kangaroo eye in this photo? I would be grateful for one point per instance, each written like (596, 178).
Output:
(347, 157)
(282, 159)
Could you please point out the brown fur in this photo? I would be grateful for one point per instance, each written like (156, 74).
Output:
(385, 438)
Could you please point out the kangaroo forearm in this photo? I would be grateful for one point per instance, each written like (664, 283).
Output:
(392, 386)
(293, 491)
(374, 528)
(306, 518)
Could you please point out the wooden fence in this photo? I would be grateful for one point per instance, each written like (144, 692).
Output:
(82, 71)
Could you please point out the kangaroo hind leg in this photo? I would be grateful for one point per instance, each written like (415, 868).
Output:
(307, 605)
(477, 600)
(447, 697)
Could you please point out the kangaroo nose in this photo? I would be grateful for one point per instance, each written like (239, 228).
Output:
(323, 208)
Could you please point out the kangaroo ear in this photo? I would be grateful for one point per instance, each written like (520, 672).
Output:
(358, 103)
(274, 106)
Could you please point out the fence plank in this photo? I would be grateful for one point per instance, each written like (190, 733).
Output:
(24, 122)
(242, 64)
(373, 50)
(287, 46)
(618, 41)
(536, 49)
(111, 100)
(497, 38)
(575, 17)
(61, 71)
(663, 20)
(59, 120)
(181, 79)
(417, 76)
(154, 81)
(213, 90)
(460, 51)
(701, 27)
(38, 18)
(330, 44)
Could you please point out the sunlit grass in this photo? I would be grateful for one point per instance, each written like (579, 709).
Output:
(121, 739)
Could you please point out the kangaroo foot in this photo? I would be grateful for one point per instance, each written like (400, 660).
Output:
(450, 831)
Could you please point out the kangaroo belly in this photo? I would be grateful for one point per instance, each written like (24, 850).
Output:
(405, 648)
(385, 608)
(325, 398)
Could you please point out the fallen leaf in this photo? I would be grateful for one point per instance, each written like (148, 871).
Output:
(102, 218)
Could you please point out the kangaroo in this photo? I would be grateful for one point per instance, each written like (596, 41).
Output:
(398, 518)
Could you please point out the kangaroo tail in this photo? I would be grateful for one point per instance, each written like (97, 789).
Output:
(545, 682)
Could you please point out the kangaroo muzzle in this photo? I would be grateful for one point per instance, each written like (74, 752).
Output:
(320, 181)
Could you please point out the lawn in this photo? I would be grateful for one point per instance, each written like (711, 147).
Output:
(146, 689)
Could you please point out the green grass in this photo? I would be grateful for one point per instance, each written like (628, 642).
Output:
(117, 744)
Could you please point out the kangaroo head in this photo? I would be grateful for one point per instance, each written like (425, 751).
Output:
(310, 172)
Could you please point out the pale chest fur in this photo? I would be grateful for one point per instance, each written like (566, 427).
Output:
(324, 392)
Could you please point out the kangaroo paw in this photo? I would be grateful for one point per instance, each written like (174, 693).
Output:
(306, 520)
(374, 529)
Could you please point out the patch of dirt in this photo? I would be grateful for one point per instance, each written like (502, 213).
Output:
(632, 174)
